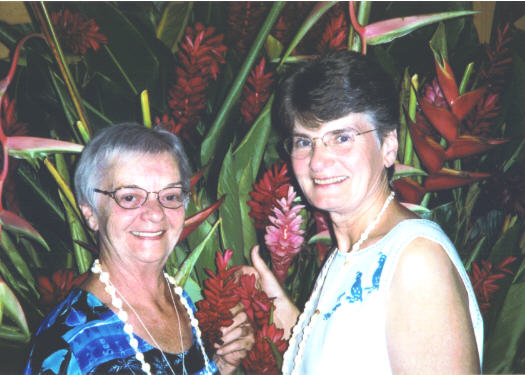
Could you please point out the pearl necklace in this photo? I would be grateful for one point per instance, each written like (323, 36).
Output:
(128, 328)
(309, 306)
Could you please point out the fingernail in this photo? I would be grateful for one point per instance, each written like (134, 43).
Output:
(220, 342)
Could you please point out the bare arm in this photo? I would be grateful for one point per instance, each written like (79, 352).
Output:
(429, 329)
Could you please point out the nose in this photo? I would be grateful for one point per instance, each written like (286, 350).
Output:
(152, 209)
(320, 156)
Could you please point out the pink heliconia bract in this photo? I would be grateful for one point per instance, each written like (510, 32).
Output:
(284, 236)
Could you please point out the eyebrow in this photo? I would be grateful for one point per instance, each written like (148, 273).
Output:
(173, 184)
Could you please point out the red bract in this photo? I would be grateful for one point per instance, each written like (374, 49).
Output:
(201, 52)
(444, 109)
(261, 360)
(285, 236)
(256, 303)
(335, 35)
(11, 128)
(484, 280)
(256, 92)
(244, 19)
(75, 33)
(168, 124)
(55, 288)
(272, 187)
(219, 297)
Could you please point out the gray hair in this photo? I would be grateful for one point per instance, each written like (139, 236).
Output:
(119, 140)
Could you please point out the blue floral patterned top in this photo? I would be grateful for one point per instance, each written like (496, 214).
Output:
(84, 336)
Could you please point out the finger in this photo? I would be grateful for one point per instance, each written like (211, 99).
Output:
(258, 263)
(241, 319)
(241, 338)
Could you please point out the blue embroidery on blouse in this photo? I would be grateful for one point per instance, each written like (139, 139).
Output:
(356, 291)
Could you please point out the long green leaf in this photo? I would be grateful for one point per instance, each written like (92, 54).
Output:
(14, 256)
(386, 31)
(317, 12)
(15, 223)
(505, 342)
(185, 269)
(12, 308)
(209, 145)
(173, 22)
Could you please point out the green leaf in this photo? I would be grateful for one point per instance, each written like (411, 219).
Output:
(438, 44)
(173, 22)
(276, 354)
(15, 223)
(209, 145)
(14, 256)
(127, 58)
(505, 342)
(386, 31)
(402, 170)
(12, 308)
(185, 269)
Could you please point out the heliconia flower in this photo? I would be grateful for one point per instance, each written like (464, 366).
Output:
(273, 186)
(219, 297)
(256, 303)
(434, 95)
(256, 92)
(261, 359)
(55, 288)
(167, 123)
(484, 280)
(201, 52)
(335, 35)
(75, 33)
(11, 127)
(284, 236)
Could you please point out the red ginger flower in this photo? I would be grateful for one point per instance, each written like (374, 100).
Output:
(244, 20)
(219, 297)
(199, 57)
(273, 186)
(261, 360)
(168, 124)
(256, 92)
(484, 280)
(77, 34)
(55, 288)
(335, 35)
(285, 237)
(256, 302)
(321, 223)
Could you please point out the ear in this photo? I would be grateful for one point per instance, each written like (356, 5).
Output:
(389, 148)
(89, 215)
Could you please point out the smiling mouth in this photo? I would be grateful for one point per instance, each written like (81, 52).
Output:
(148, 234)
(327, 181)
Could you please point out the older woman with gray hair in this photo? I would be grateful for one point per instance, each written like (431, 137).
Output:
(129, 316)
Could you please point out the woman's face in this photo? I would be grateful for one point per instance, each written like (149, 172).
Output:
(340, 182)
(145, 234)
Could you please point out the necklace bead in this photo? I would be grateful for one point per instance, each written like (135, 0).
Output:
(309, 306)
(128, 328)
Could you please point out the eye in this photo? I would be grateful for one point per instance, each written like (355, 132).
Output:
(301, 142)
(343, 138)
(172, 195)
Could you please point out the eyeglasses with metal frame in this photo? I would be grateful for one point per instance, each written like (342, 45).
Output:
(132, 197)
(336, 141)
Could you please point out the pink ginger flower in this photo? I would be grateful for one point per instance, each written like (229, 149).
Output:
(285, 237)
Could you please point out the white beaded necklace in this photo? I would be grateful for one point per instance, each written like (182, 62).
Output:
(309, 306)
(128, 328)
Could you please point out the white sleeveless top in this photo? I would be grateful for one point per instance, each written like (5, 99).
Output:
(349, 335)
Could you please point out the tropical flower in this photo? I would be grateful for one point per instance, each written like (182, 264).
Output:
(484, 280)
(76, 34)
(335, 35)
(167, 123)
(256, 303)
(321, 223)
(12, 127)
(201, 52)
(255, 92)
(285, 236)
(219, 297)
(55, 288)
(273, 186)
(261, 359)
(244, 20)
